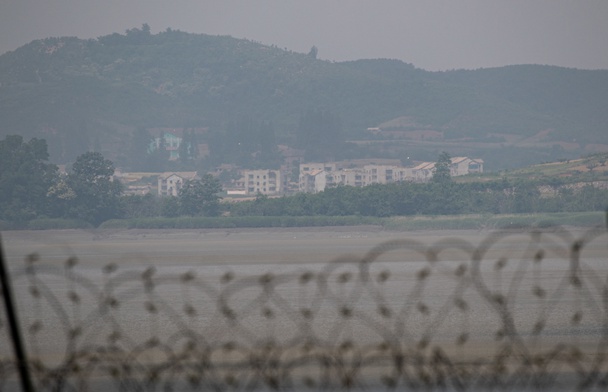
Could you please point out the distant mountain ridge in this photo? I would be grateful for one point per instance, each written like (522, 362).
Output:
(71, 90)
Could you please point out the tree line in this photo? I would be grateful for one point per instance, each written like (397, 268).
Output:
(407, 199)
(33, 188)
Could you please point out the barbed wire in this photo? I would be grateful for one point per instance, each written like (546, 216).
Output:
(518, 311)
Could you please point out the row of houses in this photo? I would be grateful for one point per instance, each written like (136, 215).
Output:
(313, 178)
(316, 177)
(252, 182)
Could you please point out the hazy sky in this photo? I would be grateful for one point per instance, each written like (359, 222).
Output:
(431, 34)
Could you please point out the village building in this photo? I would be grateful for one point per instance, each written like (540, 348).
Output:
(459, 166)
(167, 141)
(263, 181)
(316, 177)
(171, 139)
(254, 182)
(134, 183)
(313, 181)
(170, 183)
(386, 174)
(423, 172)
(462, 166)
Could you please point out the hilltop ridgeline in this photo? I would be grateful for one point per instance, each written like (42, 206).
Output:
(76, 93)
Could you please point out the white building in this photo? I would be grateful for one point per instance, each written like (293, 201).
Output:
(459, 166)
(264, 181)
(463, 165)
(170, 183)
(169, 142)
(386, 174)
(315, 176)
(313, 181)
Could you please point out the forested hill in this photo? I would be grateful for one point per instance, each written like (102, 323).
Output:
(81, 92)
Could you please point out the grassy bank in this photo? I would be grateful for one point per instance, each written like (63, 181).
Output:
(443, 222)
(46, 224)
(241, 221)
(401, 223)
(496, 222)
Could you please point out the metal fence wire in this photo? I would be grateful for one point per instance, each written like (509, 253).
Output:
(532, 319)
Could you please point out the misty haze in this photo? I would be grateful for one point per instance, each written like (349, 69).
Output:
(328, 196)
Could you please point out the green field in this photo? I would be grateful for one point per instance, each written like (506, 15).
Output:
(401, 223)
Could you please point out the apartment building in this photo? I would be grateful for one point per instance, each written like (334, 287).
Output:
(264, 181)
(315, 176)
(386, 174)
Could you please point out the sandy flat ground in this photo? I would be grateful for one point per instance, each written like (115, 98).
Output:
(419, 307)
(239, 246)
(96, 248)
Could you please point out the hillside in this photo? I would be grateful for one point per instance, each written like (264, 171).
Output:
(78, 94)
(586, 169)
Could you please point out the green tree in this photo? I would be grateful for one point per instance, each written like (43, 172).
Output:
(184, 149)
(314, 51)
(188, 148)
(141, 206)
(158, 159)
(61, 196)
(526, 197)
(170, 207)
(25, 178)
(320, 134)
(97, 196)
(246, 142)
(200, 197)
(267, 155)
(138, 149)
(441, 174)
(228, 177)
